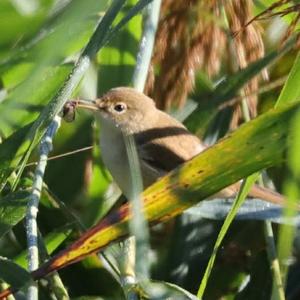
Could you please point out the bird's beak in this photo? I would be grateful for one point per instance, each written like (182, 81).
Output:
(86, 104)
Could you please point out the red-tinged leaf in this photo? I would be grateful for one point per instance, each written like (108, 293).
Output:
(256, 145)
(239, 155)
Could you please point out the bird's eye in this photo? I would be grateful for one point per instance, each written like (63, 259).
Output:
(120, 107)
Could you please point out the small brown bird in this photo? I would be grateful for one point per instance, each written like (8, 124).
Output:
(162, 142)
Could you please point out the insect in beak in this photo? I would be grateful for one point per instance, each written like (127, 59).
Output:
(69, 109)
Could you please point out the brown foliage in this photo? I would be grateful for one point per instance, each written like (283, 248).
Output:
(247, 47)
(192, 36)
(188, 39)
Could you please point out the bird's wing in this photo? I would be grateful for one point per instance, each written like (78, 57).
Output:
(167, 147)
(163, 147)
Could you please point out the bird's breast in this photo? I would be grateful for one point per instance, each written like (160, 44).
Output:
(114, 156)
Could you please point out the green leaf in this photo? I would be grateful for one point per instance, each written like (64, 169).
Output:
(12, 210)
(290, 93)
(8, 149)
(13, 274)
(25, 107)
(17, 27)
(291, 89)
(292, 191)
(53, 47)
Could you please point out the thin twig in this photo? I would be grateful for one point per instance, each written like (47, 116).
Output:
(69, 153)
(32, 209)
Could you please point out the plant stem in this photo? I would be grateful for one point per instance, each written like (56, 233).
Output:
(136, 264)
(32, 209)
(146, 45)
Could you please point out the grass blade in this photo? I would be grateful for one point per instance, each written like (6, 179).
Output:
(243, 192)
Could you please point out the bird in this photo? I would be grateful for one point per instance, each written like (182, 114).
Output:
(162, 142)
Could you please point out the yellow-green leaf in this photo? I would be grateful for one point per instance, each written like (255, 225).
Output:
(256, 145)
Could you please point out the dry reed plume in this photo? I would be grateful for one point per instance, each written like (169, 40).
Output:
(202, 35)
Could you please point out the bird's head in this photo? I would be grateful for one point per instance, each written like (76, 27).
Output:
(125, 107)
